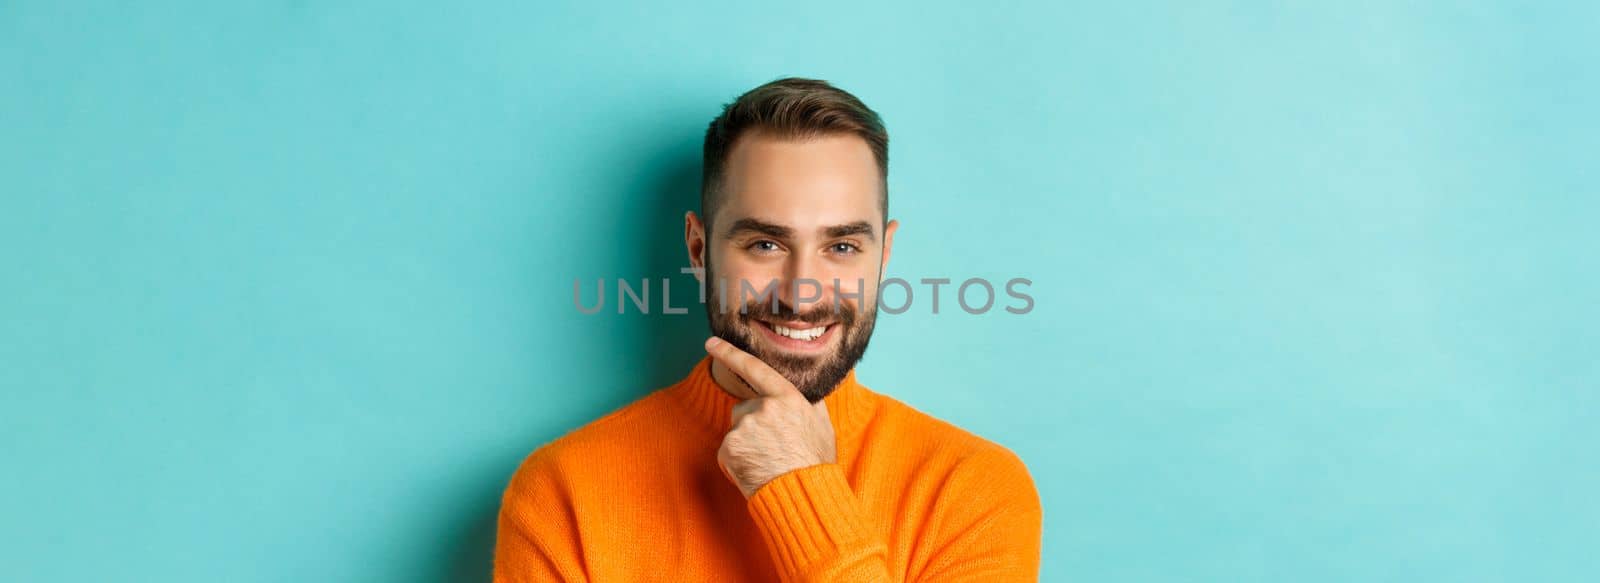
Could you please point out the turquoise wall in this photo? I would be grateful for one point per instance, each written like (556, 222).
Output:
(287, 286)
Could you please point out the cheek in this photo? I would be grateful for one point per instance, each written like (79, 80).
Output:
(738, 271)
(856, 287)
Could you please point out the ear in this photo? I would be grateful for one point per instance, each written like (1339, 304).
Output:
(694, 240)
(888, 242)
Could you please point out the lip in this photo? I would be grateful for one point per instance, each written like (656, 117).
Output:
(796, 345)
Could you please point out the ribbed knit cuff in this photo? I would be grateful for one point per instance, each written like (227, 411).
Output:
(810, 515)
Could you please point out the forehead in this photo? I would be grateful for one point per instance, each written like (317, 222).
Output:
(819, 181)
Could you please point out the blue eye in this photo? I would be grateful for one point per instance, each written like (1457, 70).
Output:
(763, 246)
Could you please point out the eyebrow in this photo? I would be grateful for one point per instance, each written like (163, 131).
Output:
(782, 232)
(759, 226)
(848, 229)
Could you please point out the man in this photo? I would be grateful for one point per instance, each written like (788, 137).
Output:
(770, 461)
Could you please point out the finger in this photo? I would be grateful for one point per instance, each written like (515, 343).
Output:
(822, 409)
(761, 378)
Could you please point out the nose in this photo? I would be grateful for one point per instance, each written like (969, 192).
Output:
(807, 283)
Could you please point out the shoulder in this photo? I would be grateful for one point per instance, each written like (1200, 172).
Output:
(960, 452)
(975, 484)
(611, 438)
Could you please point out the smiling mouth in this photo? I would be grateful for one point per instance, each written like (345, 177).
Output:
(799, 335)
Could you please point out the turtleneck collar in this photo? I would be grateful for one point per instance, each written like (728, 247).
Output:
(849, 405)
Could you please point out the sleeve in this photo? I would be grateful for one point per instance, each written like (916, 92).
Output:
(818, 530)
(536, 537)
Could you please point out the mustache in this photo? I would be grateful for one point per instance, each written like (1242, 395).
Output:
(824, 312)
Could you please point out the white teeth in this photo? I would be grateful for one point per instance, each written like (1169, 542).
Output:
(808, 334)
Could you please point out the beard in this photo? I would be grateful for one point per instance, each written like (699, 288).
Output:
(816, 376)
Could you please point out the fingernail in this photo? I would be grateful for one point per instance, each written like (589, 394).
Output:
(713, 341)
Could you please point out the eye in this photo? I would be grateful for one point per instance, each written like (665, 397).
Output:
(844, 248)
(764, 246)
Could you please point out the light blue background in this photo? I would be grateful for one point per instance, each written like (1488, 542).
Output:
(287, 285)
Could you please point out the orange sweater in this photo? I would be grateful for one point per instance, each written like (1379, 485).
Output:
(637, 496)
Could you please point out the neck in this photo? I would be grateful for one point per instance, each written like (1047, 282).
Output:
(710, 391)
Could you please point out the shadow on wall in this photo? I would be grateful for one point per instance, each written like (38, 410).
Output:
(667, 346)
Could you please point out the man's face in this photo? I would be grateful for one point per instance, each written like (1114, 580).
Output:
(797, 215)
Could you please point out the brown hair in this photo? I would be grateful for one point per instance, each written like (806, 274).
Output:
(790, 108)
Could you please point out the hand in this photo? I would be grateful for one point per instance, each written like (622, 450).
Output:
(775, 432)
